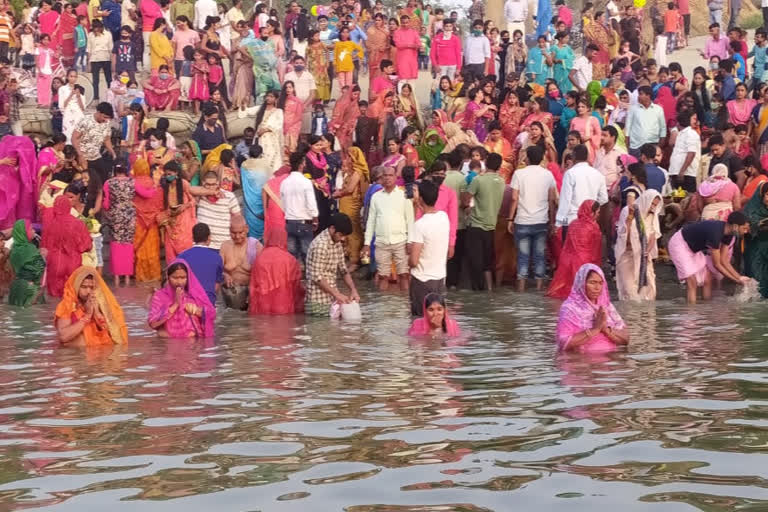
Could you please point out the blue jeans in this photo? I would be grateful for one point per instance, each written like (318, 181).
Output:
(529, 236)
(80, 57)
(299, 237)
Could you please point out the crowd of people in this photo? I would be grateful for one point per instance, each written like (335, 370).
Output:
(529, 161)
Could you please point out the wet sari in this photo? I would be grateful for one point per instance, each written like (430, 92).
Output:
(636, 248)
(422, 327)
(352, 204)
(756, 254)
(181, 324)
(107, 327)
(577, 314)
(275, 286)
(254, 174)
(583, 244)
(18, 183)
(65, 238)
(148, 203)
(28, 267)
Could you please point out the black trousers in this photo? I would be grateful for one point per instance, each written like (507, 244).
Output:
(3, 51)
(106, 67)
(453, 267)
(687, 23)
(480, 255)
(418, 290)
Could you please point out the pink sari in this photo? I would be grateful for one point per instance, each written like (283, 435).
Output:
(181, 324)
(274, 217)
(292, 112)
(48, 23)
(577, 314)
(161, 101)
(18, 183)
(46, 161)
(421, 326)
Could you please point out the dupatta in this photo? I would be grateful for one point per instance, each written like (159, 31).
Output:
(421, 326)
(638, 236)
(181, 323)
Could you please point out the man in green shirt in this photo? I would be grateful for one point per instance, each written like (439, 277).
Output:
(457, 181)
(183, 8)
(426, 42)
(487, 190)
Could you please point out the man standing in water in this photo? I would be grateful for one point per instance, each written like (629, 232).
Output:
(237, 255)
(325, 263)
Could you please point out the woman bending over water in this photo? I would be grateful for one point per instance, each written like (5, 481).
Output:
(588, 321)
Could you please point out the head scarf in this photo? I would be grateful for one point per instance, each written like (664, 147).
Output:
(116, 331)
(594, 90)
(455, 136)
(275, 286)
(430, 153)
(667, 102)
(195, 150)
(146, 208)
(577, 312)
(627, 160)
(166, 297)
(359, 163)
(421, 326)
(214, 158)
(23, 250)
(715, 182)
(442, 120)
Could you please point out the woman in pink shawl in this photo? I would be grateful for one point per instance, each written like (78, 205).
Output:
(666, 101)
(293, 109)
(345, 114)
(436, 320)
(18, 180)
(181, 309)
(719, 195)
(588, 322)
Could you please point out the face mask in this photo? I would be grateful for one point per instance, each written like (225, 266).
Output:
(125, 79)
(154, 144)
(211, 122)
(132, 91)
(554, 94)
(477, 33)
(265, 38)
(163, 76)
(438, 180)
(505, 39)
(714, 105)
(170, 179)
(298, 68)
(714, 66)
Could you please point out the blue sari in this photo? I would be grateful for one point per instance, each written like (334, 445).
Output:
(254, 174)
(566, 117)
(556, 108)
(562, 69)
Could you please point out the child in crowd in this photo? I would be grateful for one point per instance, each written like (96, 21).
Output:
(243, 147)
(81, 42)
(742, 147)
(185, 73)
(319, 120)
(125, 59)
(215, 75)
(198, 90)
(671, 26)
(28, 48)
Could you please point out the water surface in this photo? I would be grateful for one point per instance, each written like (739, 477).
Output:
(281, 414)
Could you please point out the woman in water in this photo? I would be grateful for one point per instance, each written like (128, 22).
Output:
(275, 287)
(181, 309)
(756, 254)
(28, 267)
(436, 320)
(588, 322)
(66, 238)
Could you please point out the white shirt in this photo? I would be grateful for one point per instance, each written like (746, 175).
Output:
(432, 230)
(533, 184)
(203, 9)
(688, 141)
(218, 216)
(298, 197)
(390, 217)
(303, 84)
(583, 69)
(515, 10)
(580, 183)
(613, 10)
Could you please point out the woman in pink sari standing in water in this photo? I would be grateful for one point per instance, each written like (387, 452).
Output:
(588, 321)
(435, 321)
(181, 309)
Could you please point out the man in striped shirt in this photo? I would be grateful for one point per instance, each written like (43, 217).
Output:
(216, 210)
(6, 32)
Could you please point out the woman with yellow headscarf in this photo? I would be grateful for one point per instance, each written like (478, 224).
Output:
(148, 202)
(88, 314)
(350, 196)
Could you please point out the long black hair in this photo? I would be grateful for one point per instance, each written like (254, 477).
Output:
(173, 166)
(263, 108)
(701, 105)
(284, 94)
(436, 298)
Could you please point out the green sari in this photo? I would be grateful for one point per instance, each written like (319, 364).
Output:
(756, 253)
(430, 153)
(28, 266)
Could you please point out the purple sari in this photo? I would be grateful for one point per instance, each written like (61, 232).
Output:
(181, 324)
(18, 184)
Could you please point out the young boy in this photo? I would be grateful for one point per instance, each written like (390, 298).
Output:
(428, 241)
(319, 120)
(81, 41)
(123, 58)
(671, 25)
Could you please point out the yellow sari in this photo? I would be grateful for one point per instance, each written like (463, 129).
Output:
(352, 204)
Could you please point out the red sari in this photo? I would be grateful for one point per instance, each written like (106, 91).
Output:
(275, 287)
(510, 118)
(274, 217)
(162, 100)
(583, 244)
(67, 24)
(345, 115)
(66, 239)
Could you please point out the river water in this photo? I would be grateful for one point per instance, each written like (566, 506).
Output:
(283, 414)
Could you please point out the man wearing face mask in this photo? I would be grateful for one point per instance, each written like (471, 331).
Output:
(210, 134)
(477, 51)
(446, 51)
(446, 201)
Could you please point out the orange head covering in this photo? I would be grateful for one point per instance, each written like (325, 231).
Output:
(109, 331)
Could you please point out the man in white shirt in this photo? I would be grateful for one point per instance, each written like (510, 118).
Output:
(581, 74)
(306, 88)
(684, 161)
(297, 194)
(216, 210)
(477, 51)
(609, 152)
(580, 183)
(428, 241)
(390, 218)
(531, 215)
(203, 9)
(516, 12)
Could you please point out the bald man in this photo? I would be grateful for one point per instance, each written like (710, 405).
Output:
(238, 254)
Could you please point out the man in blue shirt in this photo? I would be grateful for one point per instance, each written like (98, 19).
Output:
(728, 91)
(656, 177)
(205, 262)
(760, 53)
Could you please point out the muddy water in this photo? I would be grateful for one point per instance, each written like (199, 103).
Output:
(282, 414)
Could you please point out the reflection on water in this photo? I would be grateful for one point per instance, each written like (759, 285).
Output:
(282, 414)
